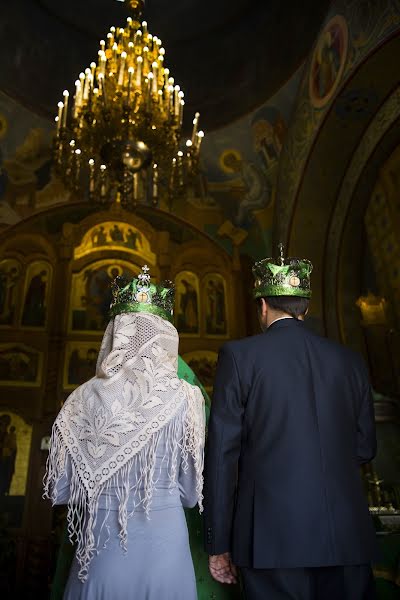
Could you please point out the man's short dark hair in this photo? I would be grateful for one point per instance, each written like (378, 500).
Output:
(292, 305)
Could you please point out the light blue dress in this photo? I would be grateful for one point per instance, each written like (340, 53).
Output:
(157, 564)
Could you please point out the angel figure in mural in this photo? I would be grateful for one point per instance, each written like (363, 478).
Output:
(256, 190)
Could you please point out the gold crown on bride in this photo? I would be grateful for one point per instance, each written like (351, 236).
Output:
(141, 295)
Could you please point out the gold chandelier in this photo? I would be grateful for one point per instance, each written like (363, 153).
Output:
(120, 137)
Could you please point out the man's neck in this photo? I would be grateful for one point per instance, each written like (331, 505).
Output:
(279, 318)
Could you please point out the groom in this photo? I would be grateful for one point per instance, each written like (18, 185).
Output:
(291, 421)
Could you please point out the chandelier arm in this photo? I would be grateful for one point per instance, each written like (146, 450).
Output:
(119, 139)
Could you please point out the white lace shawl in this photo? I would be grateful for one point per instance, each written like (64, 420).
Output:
(112, 423)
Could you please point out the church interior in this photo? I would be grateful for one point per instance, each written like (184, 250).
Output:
(296, 107)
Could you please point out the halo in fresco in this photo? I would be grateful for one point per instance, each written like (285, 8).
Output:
(229, 159)
(328, 61)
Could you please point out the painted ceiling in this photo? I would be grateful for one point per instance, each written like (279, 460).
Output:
(229, 56)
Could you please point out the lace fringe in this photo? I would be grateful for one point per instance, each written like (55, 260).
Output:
(82, 511)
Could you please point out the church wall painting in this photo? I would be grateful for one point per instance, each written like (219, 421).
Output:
(115, 235)
(15, 445)
(187, 304)
(215, 312)
(368, 25)
(240, 190)
(26, 180)
(37, 288)
(80, 363)
(91, 293)
(203, 363)
(328, 61)
(10, 282)
(241, 162)
(20, 366)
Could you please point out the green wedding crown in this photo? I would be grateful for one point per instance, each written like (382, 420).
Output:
(282, 277)
(140, 295)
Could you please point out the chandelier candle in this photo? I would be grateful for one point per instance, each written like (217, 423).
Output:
(125, 118)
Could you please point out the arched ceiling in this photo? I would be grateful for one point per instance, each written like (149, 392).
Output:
(326, 224)
(229, 56)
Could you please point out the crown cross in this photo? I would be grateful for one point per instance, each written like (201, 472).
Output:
(281, 255)
(141, 295)
(144, 277)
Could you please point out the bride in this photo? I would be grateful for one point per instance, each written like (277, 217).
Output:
(127, 455)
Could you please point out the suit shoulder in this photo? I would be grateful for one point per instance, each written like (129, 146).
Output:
(347, 354)
(244, 344)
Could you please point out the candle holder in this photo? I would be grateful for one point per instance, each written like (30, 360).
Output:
(125, 118)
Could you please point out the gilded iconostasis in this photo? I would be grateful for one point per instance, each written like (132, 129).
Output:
(312, 161)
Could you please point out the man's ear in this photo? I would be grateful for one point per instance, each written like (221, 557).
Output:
(263, 307)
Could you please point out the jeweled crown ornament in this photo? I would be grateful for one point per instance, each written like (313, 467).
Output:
(141, 295)
(282, 276)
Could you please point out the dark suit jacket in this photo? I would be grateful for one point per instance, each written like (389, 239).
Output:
(291, 420)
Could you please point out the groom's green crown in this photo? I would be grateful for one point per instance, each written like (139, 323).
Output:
(141, 295)
(282, 277)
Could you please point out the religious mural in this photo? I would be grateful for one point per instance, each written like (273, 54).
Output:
(249, 186)
(368, 26)
(27, 181)
(37, 282)
(241, 163)
(235, 189)
(20, 365)
(25, 167)
(80, 363)
(203, 363)
(187, 305)
(328, 61)
(115, 235)
(91, 293)
(215, 305)
(15, 443)
(10, 279)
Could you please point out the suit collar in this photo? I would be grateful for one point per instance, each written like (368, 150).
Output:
(280, 323)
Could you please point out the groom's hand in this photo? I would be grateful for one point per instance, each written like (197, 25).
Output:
(222, 569)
